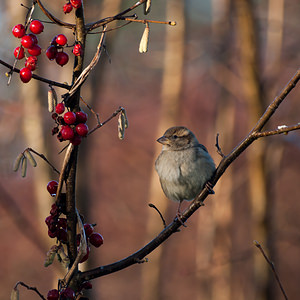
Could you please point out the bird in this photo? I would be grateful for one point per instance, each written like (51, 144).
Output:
(184, 166)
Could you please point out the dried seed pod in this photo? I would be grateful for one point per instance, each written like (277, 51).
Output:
(52, 99)
(30, 158)
(125, 117)
(144, 40)
(23, 166)
(147, 6)
(14, 294)
(17, 162)
(50, 256)
(121, 126)
(62, 257)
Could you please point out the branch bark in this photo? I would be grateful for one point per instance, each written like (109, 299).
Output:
(173, 227)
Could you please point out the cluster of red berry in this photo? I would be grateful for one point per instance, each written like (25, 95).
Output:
(71, 126)
(57, 43)
(70, 4)
(29, 42)
(67, 293)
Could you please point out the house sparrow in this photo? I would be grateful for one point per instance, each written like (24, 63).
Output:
(184, 166)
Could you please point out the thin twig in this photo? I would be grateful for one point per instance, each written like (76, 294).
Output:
(92, 111)
(53, 18)
(54, 83)
(171, 23)
(30, 288)
(160, 214)
(257, 244)
(42, 156)
(219, 150)
(114, 114)
(85, 73)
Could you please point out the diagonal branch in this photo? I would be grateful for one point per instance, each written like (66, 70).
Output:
(224, 164)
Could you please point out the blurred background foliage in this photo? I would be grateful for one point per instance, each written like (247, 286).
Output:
(215, 72)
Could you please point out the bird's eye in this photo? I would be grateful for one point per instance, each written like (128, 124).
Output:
(175, 136)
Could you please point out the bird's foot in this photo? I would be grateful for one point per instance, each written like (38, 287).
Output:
(209, 187)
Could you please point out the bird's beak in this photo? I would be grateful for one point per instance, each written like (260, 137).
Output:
(163, 140)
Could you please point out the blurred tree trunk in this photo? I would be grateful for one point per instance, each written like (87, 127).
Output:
(217, 284)
(247, 37)
(170, 102)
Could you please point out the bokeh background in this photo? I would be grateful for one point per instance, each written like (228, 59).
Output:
(215, 72)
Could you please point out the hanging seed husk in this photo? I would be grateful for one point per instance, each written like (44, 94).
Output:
(121, 126)
(23, 166)
(14, 294)
(144, 40)
(52, 99)
(147, 6)
(62, 257)
(50, 256)
(30, 158)
(125, 117)
(17, 162)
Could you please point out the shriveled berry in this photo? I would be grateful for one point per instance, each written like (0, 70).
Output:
(36, 26)
(62, 58)
(54, 211)
(86, 285)
(31, 62)
(52, 187)
(49, 220)
(61, 39)
(27, 41)
(89, 229)
(19, 53)
(53, 295)
(60, 108)
(67, 8)
(62, 235)
(51, 52)
(18, 31)
(62, 222)
(76, 140)
(70, 117)
(35, 50)
(67, 294)
(81, 117)
(96, 239)
(77, 50)
(82, 129)
(52, 234)
(76, 3)
(25, 74)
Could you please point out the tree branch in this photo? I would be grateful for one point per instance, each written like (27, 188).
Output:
(224, 164)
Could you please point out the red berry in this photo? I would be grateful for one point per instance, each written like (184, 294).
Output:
(36, 26)
(61, 39)
(89, 229)
(18, 31)
(52, 234)
(53, 295)
(21, 53)
(51, 52)
(87, 255)
(62, 58)
(96, 239)
(67, 8)
(54, 211)
(86, 285)
(67, 132)
(60, 108)
(70, 117)
(67, 294)
(81, 117)
(27, 41)
(52, 187)
(49, 220)
(76, 140)
(34, 38)
(76, 3)
(62, 235)
(82, 129)
(25, 74)
(31, 62)
(77, 50)
(35, 50)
